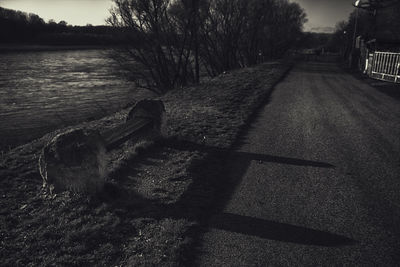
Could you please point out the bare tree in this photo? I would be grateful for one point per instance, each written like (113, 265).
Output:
(172, 40)
(239, 33)
(159, 54)
(221, 32)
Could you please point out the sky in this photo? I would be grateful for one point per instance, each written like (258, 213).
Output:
(322, 14)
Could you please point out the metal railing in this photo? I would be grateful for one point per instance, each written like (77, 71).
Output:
(386, 66)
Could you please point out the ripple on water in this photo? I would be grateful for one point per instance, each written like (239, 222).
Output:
(41, 91)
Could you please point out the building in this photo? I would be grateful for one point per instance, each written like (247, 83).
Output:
(384, 34)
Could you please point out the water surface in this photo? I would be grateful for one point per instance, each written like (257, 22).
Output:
(41, 91)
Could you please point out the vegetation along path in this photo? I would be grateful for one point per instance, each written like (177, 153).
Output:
(315, 181)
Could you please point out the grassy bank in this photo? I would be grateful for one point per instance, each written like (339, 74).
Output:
(155, 198)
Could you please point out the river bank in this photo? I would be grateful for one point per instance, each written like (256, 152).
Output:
(12, 48)
(154, 200)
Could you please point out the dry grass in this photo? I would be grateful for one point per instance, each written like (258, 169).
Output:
(154, 195)
(214, 112)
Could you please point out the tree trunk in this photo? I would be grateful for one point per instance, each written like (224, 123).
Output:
(195, 29)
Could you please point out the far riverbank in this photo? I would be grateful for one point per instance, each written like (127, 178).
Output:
(9, 48)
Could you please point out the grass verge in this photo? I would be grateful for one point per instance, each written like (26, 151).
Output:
(154, 199)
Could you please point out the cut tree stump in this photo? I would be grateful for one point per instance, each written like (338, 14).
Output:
(74, 161)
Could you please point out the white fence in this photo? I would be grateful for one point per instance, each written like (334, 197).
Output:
(385, 66)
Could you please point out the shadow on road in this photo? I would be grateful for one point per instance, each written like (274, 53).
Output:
(216, 180)
(237, 165)
(388, 88)
(277, 231)
(282, 160)
(392, 90)
(223, 185)
(246, 157)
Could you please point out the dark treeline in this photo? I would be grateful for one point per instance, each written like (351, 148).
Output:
(316, 40)
(20, 27)
(174, 41)
(343, 37)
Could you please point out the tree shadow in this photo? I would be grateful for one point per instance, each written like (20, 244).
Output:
(217, 176)
(281, 160)
(216, 179)
(276, 231)
(248, 156)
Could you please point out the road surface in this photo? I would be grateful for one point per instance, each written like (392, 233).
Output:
(316, 179)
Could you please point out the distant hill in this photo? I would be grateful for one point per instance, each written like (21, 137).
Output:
(323, 29)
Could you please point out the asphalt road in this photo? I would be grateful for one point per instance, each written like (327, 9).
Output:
(316, 180)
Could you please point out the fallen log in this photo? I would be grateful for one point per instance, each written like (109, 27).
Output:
(76, 160)
(146, 120)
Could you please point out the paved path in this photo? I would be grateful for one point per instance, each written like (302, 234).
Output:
(317, 179)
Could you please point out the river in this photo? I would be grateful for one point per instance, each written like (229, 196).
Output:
(41, 91)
